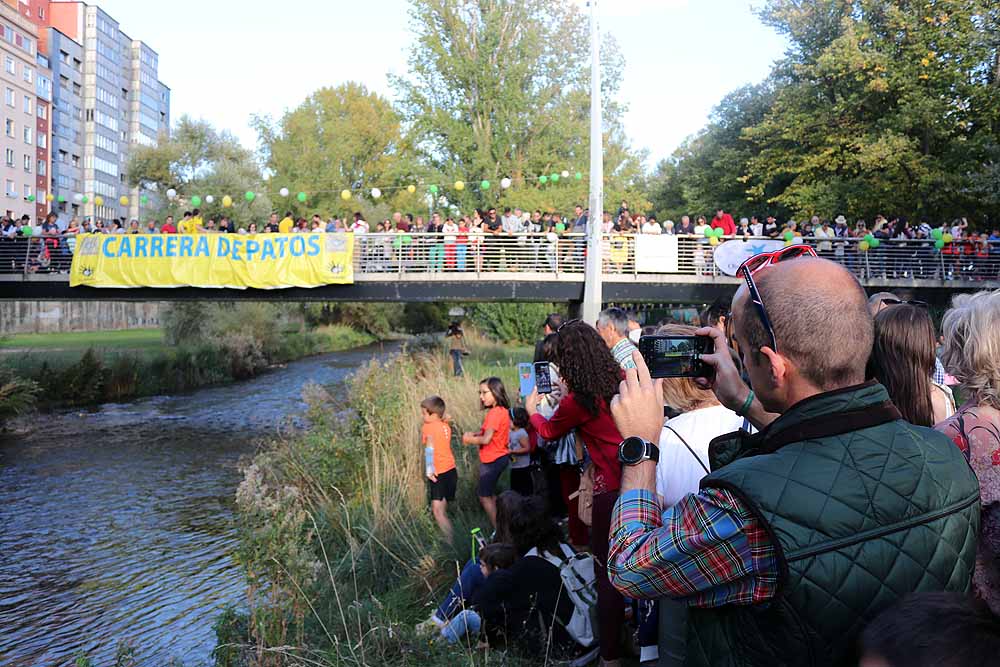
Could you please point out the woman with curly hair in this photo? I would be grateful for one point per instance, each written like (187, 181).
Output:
(592, 376)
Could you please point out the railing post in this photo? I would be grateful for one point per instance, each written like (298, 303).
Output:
(941, 264)
(868, 268)
(27, 257)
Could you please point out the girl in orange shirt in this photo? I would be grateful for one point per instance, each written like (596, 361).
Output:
(492, 440)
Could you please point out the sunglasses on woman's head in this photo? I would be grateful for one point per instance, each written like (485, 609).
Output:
(566, 324)
(897, 302)
(762, 261)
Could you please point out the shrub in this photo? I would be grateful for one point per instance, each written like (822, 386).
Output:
(17, 394)
(510, 322)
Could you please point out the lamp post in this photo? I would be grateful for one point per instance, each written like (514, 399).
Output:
(593, 288)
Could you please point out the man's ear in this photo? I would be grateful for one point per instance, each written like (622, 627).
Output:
(778, 364)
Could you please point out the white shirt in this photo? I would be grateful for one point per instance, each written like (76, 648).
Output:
(359, 227)
(820, 233)
(757, 229)
(699, 231)
(652, 228)
(677, 472)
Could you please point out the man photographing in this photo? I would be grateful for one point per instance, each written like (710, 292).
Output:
(805, 531)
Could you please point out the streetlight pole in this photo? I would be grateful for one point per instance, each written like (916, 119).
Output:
(593, 288)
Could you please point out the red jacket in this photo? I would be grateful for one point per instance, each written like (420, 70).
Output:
(725, 223)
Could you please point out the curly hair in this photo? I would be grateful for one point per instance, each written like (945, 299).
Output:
(533, 528)
(586, 364)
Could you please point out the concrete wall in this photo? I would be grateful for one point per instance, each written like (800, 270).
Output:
(65, 316)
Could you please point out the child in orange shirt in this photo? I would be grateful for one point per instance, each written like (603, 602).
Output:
(492, 440)
(435, 436)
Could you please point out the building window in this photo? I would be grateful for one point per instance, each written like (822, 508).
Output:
(9, 154)
(43, 111)
(9, 65)
(42, 168)
(27, 135)
(41, 13)
(9, 95)
(11, 188)
(75, 161)
(28, 74)
(27, 163)
(27, 191)
(43, 141)
(27, 104)
(10, 127)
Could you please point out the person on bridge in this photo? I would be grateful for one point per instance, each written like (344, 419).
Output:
(804, 532)
(724, 221)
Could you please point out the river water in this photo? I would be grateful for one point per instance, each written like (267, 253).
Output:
(118, 524)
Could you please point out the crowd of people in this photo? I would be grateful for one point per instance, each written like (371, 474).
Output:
(805, 504)
(519, 240)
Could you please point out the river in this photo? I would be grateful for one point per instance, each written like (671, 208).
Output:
(118, 524)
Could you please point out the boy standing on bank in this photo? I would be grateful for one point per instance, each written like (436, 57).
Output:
(439, 462)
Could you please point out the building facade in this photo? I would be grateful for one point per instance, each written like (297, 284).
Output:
(25, 133)
(107, 99)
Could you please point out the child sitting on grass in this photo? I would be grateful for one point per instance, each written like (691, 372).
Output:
(492, 557)
(435, 436)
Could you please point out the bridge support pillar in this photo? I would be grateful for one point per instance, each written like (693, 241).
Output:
(593, 287)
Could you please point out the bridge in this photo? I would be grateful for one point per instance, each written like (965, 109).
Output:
(539, 268)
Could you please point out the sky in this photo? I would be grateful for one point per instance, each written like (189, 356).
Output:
(225, 60)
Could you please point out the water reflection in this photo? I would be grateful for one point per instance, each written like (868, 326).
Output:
(118, 524)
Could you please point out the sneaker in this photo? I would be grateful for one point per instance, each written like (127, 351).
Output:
(429, 627)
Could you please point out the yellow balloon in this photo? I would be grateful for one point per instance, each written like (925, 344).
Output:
(123, 200)
(227, 201)
(411, 189)
(863, 246)
(947, 238)
(49, 197)
(713, 241)
(459, 185)
(345, 195)
(99, 200)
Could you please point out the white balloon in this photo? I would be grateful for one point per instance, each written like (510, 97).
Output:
(283, 192)
(565, 174)
(78, 197)
(171, 194)
(505, 183)
(376, 193)
(209, 199)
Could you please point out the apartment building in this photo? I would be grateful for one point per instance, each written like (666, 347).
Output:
(25, 130)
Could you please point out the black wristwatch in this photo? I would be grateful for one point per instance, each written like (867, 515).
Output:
(635, 450)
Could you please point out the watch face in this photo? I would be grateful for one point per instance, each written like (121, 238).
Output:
(632, 450)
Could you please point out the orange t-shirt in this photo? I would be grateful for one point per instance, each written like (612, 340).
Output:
(437, 435)
(497, 419)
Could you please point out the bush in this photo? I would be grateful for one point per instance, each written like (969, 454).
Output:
(510, 322)
(17, 395)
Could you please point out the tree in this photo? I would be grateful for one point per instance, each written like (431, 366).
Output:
(881, 107)
(198, 160)
(339, 138)
(500, 88)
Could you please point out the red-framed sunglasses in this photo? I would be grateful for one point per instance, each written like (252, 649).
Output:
(762, 261)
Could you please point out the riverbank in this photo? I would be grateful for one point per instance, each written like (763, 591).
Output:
(340, 551)
(86, 369)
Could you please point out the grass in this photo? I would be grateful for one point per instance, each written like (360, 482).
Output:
(340, 550)
(130, 339)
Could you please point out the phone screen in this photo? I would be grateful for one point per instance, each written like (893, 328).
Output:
(543, 379)
(526, 377)
(675, 356)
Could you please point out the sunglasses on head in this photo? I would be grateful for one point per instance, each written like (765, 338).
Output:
(897, 302)
(566, 324)
(762, 261)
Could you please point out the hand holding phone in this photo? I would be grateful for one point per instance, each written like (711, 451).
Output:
(676, 356)
(543, 377)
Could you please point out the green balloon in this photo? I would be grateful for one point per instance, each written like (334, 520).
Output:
(720, 233)
(31, 197)
(937, 234)
(144, 200)
(554, 178)
(869, 238)
(579, 176)
(433, 189)
(939, 244)
(60, 199)
(250, 196)
(85, 199)
(485, 185)
(709, 232)
(543, 179)
(789, 235)
(301, 197)
(874, 243)
(196, 201)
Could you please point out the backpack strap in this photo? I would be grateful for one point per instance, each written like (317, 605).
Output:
(695, 455)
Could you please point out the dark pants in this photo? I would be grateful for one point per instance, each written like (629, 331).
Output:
(610, 603)
(456, 359)
(520, 481)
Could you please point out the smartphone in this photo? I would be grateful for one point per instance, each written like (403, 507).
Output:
(543, 378)
(676, 356)
(526, 376)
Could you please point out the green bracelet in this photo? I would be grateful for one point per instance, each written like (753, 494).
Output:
(746, 405)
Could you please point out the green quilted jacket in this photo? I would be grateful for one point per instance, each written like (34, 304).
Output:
(862, 507)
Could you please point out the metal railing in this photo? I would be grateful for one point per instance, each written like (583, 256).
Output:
(440, 257)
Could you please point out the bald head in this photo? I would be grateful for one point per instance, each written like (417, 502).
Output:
(820, 317)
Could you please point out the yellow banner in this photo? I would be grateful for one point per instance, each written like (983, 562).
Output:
(262, 261)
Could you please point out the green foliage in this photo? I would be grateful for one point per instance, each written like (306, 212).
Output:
(425, 317)
(198, 160)
(232, 633)
(17, 395)
(342, 137)
(510, 322)
(502, 89)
